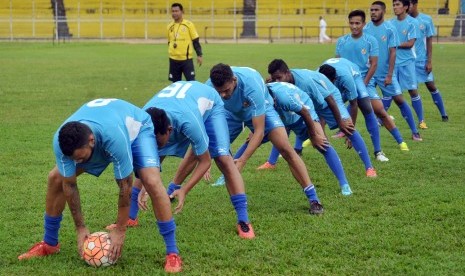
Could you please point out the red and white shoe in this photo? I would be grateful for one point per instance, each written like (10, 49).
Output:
(130, 223)
(173, 263)
(40, 249)
(267, 166)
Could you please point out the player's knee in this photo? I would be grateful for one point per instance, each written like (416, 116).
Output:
(54, 177)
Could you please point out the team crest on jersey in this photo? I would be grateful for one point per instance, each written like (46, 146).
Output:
(383, 38)
(246, 104)
(404, 32)
(422, 26)
(364, 51)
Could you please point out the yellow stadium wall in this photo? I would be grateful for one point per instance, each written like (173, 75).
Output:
(213, 18)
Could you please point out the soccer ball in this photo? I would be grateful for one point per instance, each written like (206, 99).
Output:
(95, 249)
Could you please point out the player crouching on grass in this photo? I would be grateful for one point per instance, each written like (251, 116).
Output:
(101, 132)
(194, 116)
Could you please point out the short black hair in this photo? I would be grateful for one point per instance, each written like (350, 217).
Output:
(380, 3)
(277, 65)
(160, 120)
(414, 2)
(72, 136)
(404, 3)
(179, 5)
(357, 13)
(328, 71)
(220, 74)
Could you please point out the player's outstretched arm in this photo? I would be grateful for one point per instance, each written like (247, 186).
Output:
(71, 192)
(118, 234)
(203, 164)
(318, 141)
(254, 142)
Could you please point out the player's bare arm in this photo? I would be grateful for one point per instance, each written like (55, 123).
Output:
(118, 234)
(373, 60)
(346, 126)
(71, 193)
(407, 44)
(203, 164)
(255, 141)
(318, 141)
(392, 63)
(429, 53)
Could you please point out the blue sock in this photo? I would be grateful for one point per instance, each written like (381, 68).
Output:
(418, 107)
(298, 144)
(408, 116)
(240, 151)
(310, 192)
(361, 148)
(372, 127)
(51, 226)
(239, 202)
(387, 102)
(168, 230)
(172, 187)
(437, 99)
(396, 134)
(334, 163)
(274, 155)
(134, 207)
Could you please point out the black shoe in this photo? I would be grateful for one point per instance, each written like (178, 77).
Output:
(445, 118)
(315, 208)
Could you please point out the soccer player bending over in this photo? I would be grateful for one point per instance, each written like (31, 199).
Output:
(101, 132)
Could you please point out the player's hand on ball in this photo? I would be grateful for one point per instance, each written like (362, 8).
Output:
(142, 199)
(116, 236)
(180, 194)
(82, 233)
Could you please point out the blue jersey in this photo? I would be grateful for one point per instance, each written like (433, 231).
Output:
(250, 97)
(115, 125)
(386, 36)
(407, 29)
(346, 72)
(358, 50)
(289, 100)
(313, 83)
(188, 105)
(426, 29)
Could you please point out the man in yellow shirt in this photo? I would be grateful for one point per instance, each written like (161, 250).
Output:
(182, 35)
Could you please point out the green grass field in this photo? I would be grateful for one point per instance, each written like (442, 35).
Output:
(410, 220)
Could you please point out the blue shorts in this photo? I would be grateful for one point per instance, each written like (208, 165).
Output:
(144, 153)
(388, 91)
(217, 132)
(328, 115)
(300, 128)
(235, 125)
(362, 91)
(407, 76)
(422, 75)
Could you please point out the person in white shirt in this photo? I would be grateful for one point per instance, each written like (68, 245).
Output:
(323, 37)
